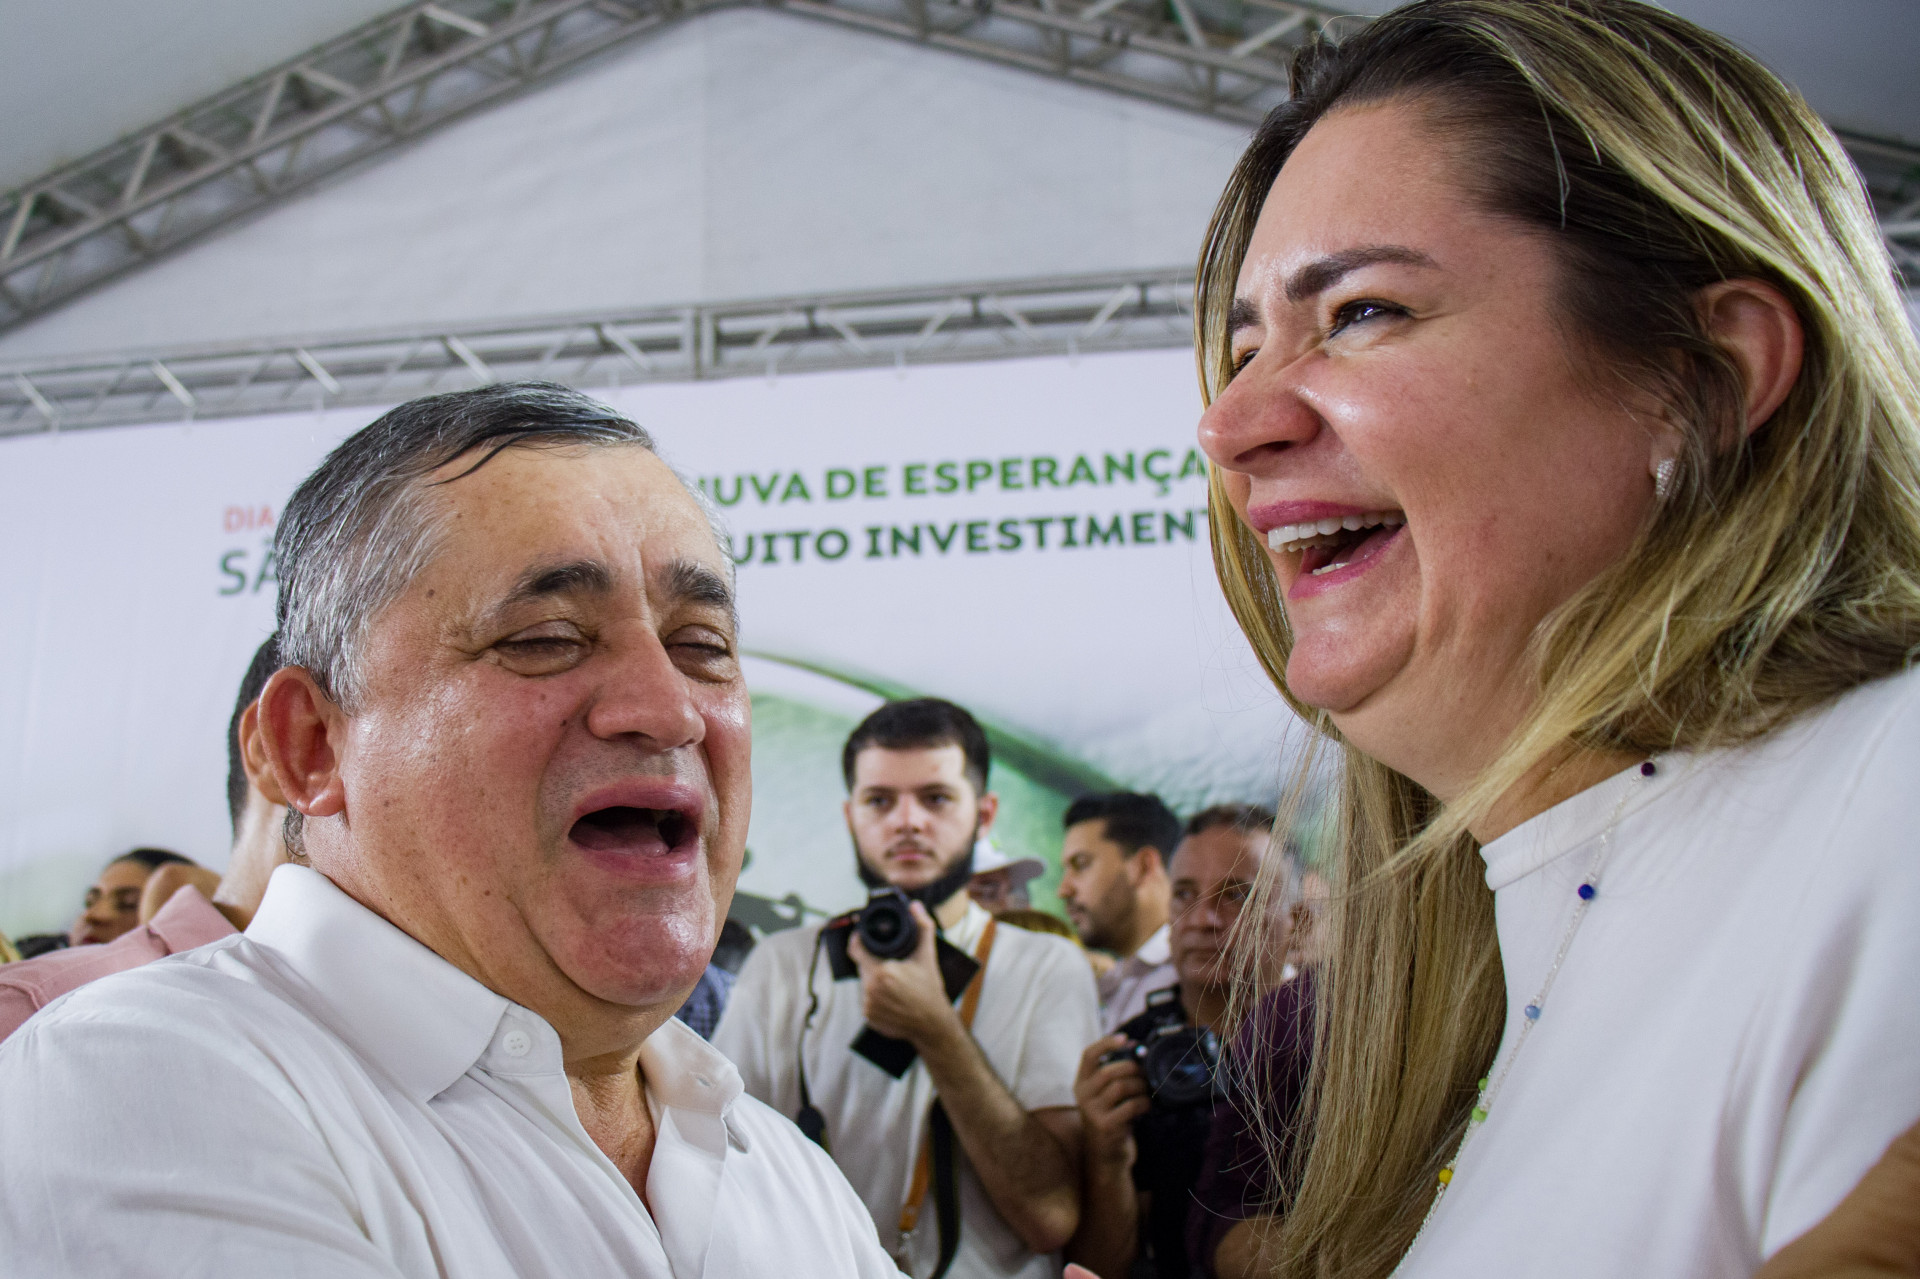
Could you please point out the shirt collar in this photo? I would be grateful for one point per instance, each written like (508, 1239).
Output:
(1155, 950)
(684, 1071)
(398, 1004)
(1578, 821)
(966, 933)
(189, 920)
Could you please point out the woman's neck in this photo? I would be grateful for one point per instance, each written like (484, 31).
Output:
(1553, 780)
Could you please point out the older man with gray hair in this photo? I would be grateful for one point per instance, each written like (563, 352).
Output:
(513, 732)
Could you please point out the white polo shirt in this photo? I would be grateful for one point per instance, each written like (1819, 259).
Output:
(324, 1096)
(1037, 1014)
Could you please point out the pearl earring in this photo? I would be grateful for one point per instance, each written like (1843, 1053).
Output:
(1662, 479)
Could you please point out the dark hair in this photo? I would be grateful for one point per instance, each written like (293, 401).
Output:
(353, 533)
(921, 723)
(1133, 821)
(1242, 817)
(152, 858)
(266, 660)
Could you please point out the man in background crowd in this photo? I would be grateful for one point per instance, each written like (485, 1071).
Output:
(999, 882)
(174, 911)
(514, 733)
(1113, 884)
(956, 1125)
(1268, 1063)
(1150, 1093)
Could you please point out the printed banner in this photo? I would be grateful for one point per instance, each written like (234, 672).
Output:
(1027, 538)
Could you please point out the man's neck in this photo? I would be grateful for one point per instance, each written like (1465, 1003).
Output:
(1206, 1004)
(950, 912)
(1147, 921)
(610, 1097)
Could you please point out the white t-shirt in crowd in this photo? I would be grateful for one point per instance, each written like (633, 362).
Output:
(1036, 1015)
(322, 1097)
(1733, 1038)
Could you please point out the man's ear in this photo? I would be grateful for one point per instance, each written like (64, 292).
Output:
(253, 756)
(988, 810)
(301, 732)
(1144, 864)
(1755, 323)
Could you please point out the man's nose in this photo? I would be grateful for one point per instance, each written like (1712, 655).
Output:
(643, 694)
(1261, 415)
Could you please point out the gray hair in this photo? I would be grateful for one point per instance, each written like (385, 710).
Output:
(360, 527)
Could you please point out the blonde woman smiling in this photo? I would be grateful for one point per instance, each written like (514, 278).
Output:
(1563, 420)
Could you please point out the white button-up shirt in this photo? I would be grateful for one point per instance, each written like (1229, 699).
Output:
(324, 1096)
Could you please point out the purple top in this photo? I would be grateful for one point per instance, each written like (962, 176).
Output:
(1236, 1179)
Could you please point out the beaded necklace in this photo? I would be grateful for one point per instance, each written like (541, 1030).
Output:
(1530, 1014)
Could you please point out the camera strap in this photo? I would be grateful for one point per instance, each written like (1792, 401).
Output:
(935, 1166)
(812, 1123)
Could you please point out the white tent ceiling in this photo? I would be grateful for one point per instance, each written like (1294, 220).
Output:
(79, 73)
(747, 154)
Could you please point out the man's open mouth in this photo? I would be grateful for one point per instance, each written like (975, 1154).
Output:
(1325, 545)
(636, 832)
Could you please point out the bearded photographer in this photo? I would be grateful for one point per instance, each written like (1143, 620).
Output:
(1150, 1094)
(929, 1049)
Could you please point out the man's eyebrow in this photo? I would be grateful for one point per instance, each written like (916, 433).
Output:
(543, 581)
(691, 582)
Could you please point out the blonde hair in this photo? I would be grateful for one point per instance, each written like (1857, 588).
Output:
(1782, 569)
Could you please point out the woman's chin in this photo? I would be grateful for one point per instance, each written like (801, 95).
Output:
(1333, 677)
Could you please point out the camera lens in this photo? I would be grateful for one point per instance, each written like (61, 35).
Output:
(886, 925)
(1179, 1066)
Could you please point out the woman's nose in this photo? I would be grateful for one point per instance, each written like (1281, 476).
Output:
(1257, 418)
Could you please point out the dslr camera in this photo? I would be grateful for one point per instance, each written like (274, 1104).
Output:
(887, 928)
(886, 925)
(1180, 1062)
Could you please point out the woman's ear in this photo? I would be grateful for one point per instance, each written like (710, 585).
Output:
(1755, 323)
(301, 731)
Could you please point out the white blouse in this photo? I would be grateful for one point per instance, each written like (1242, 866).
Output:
(1734, 1036)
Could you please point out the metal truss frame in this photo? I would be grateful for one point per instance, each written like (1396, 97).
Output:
(395, 78)
(379, 85)
(899, 328)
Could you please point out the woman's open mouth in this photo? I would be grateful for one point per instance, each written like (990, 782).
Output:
(1329, 544)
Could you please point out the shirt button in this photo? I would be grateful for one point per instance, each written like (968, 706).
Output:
(517, 1043)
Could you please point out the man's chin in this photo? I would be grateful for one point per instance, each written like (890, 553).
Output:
(665, 982)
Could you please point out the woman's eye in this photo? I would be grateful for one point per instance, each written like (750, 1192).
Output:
(1243, 359)
(1361, 311)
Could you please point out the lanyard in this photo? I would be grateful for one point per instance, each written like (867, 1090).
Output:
(923, 1168)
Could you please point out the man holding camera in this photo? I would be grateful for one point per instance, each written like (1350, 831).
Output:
(929, 1049)
(1148, 1093)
